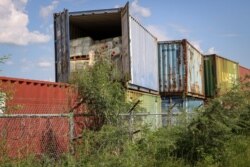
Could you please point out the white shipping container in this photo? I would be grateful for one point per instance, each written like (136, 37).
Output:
(138, 62)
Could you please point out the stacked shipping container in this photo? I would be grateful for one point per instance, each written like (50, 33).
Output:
(181, 74)
(135, 54)
(138, 57)
(150, 106)
(180, 69)
(220, 74)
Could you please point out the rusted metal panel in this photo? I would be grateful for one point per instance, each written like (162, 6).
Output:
(61, 35)
(144, 59)
(220, 74)
(180, 69)
(171, 67)
(126, 62)
(195, 71)
(243, 73)
(149, 103)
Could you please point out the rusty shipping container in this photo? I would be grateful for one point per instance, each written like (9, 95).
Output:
(150, 105)
(32, 97)
(220, 74)
(38, 97)
(243, 73)
(137, 61)
(180, 69)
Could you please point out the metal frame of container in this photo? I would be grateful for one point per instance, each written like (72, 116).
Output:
(215, 76)
(180, 69)
(139, 60)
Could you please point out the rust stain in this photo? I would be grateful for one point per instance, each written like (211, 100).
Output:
(184, 44)
(195, 88)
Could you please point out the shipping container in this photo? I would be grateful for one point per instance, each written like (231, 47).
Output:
(32, 104)
(173, 106)
(220, 74)
(138, 61)
(24, 96)
(150, 106)
(180, 69)
(244, 74)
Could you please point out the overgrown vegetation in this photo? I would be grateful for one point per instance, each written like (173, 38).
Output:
(218, 135)
(100, 89)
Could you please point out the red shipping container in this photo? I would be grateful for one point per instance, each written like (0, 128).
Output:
(243, 72)
(38, 97)
(39, 135)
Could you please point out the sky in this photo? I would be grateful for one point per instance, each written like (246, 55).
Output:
(214, 26)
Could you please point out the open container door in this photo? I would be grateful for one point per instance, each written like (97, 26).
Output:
(126, 71)
(61, 35)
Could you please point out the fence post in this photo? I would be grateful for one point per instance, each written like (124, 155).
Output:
(71, 132)
(130, 125)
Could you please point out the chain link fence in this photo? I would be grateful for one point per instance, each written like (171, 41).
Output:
(37, 134)
(56, 134)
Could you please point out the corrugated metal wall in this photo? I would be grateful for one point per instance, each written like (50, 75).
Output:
(226, 74)
(37, 97)
(149, 104)
(171, 67)
(187, 104)
(180, 69)
(144, 59)
(243, 72)
(178, 105)
(220, 75)
(195, 73)
(210, 76)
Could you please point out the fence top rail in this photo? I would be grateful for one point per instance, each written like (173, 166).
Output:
(72, 114)
(33, 115)
(148, 113)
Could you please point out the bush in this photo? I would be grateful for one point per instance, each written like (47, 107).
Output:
(221, 119)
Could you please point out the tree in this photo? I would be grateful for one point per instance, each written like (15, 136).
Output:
(2, 94)
(100, 89)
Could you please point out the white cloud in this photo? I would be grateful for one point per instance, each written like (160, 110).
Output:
(211, 50)
(117, 6)
(47, 11)
(138, 10)
(197, 45)
(44, 64)
(13, 24)
(158, 32)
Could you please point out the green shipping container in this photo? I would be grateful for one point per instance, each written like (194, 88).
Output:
(149, 107)
(220, 75)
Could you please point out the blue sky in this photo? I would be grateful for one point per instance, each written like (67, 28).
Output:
(26, 29)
